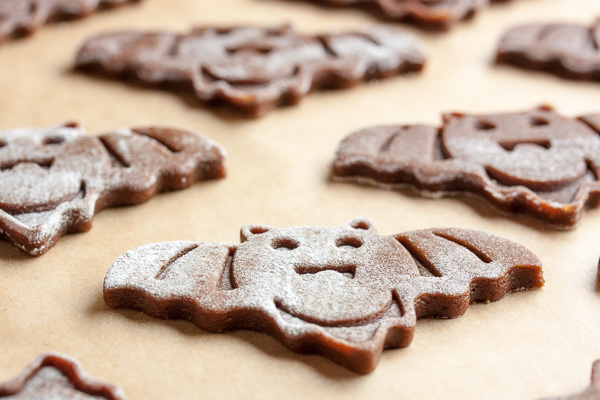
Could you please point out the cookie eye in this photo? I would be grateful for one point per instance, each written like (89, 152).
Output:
(538, 122)
(2, 144)
(257, 230)
(284, 244)
(348, 243)
(54, 140)
(360, 225)
(484, 125)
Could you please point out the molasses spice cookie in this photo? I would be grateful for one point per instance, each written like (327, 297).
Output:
(568, 50)
(23, 17)
(56, 377)
(427, 14)
(250, 69)
(345, 293)
(53, 180)
(535, 163)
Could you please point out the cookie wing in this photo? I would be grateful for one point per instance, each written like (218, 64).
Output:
(459, 267)
(402, 155)
(54, 376)
(21, 18)
(253, 69)
(171, 280)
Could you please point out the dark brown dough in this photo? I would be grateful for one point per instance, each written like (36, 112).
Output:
(252, 69)
(591, 393)
(55, 179)
(55, 377)
(537, 162)
(569, 50)
(427, 14)
(345, 292)
(23, 17)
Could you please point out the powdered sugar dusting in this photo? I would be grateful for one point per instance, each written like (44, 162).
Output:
(53, 180)
(535, 162)
(53, 376)
(341, 287)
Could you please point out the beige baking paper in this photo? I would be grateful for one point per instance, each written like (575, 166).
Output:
(526, 346)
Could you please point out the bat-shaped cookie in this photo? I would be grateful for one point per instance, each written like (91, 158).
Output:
(568, 50)
(23, 17)
(252, 69)
(53, 376)
(345, 292)
(537, 162)
(427, 14)
(53, 180)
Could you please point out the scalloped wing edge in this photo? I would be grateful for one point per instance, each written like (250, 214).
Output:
(71, 369)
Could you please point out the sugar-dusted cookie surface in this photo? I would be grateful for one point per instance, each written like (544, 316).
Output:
(536, 163)
(591, 393)
(53, 376)
(568, 50)
(427, 14)
(53, 180)
(23, 17)
(345, 293)
(251, 69)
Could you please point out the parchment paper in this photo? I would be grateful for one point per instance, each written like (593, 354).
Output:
(528, 345)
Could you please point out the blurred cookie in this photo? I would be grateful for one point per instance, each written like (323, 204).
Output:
(54, 180)
(568, 50)
(24, 17)
(250, 69)
(426, 14)
(535, 163)
(52, 376)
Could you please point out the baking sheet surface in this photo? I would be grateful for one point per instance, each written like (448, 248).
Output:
(528, 345)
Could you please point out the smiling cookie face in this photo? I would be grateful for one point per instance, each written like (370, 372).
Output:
(327, 276)
(538, 149)
(253, 57)
(44, 168)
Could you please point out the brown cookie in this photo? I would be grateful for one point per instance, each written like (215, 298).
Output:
(23, 17)
(344, 293)
(591, 393)
(537, 162)
(427, 14)
(55, 179)
(52, 376)
(568, 50)
(251, 69)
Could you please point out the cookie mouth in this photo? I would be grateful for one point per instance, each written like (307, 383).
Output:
(42, 163)
(20, 201)
(238, 74)
(289, 315)
(348, 271)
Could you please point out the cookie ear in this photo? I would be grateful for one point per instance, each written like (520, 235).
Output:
(248, 231)
(362, 223)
